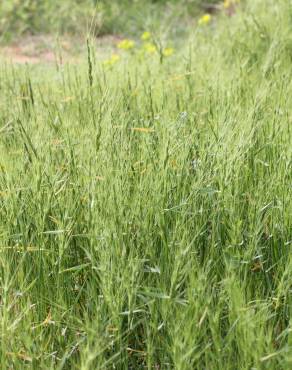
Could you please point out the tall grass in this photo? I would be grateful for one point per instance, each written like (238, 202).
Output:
(145, 209)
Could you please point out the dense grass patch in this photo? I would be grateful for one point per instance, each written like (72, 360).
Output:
(145, 206)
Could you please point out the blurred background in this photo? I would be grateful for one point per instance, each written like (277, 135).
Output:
(100, 17)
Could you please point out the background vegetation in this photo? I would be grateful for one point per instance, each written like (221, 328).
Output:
(145, 202)
(18, 17)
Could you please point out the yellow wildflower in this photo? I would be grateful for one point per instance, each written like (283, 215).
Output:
(167, 52)
(113, 60)
(126, 44)
(146, 36)
(205, 19)
(149, 48)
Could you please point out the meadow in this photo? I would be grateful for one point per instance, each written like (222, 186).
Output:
(145, 200)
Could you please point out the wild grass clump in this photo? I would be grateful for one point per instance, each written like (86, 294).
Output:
(145, 206)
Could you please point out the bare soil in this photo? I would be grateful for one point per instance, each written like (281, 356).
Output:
(48, 49)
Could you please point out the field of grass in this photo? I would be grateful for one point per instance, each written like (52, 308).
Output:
(145, 202)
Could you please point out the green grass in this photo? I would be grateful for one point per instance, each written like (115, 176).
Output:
(145, 209)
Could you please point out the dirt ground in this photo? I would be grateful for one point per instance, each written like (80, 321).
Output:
(49, 49)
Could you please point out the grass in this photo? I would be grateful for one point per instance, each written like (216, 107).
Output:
(145, 207)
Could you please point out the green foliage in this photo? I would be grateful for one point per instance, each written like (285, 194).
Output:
(18, 17)
(146, 208)
(34, 16)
